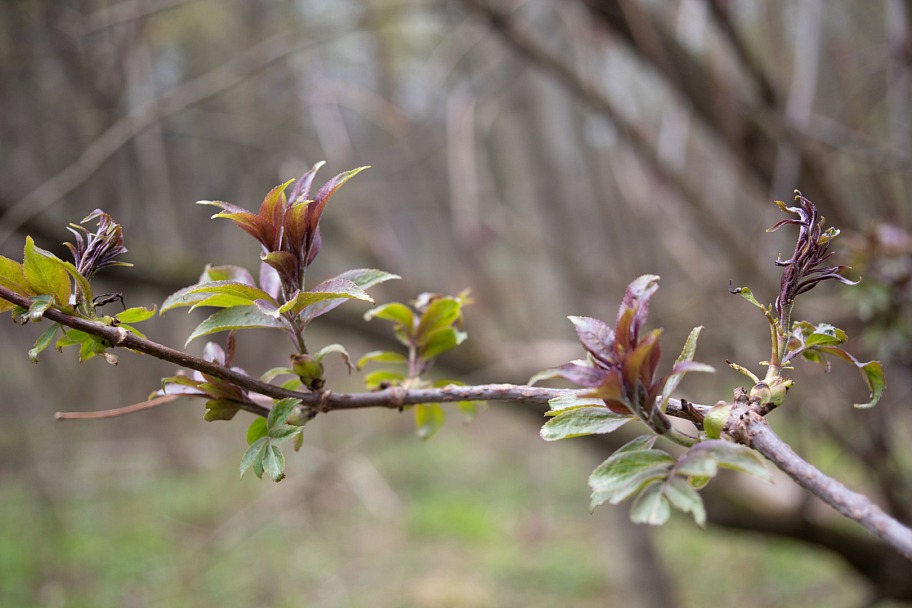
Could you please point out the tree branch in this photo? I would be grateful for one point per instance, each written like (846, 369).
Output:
(754, 431)
(745, 425)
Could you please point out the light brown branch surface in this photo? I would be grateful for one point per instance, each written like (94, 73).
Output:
(746, 426)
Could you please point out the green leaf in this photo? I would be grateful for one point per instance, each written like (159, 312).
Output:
(240, 317)
(338, 349)
(340, 289)
(13, 278)
(581, 421)
(697, 463)
(273, 373)
(748, 295)
(274, 462)
(282, 432)
(256, 430)
(254, 453)
(871, 372)
(45, 273)
(733, 456)
(626, 472)
(382, 356)
(826, 335)
(684, 497)
(683, 364)
(39, 305)
(219, 409)
(396, 312)
(715, 419)
(81, 282)
(440, 313)
(429, 417)
(135, 314)
(643, 442)
(280, 411)
(381, 377)
(364, 278)
(43, 342)
(571, 400)
(651, 507)
(440, 341)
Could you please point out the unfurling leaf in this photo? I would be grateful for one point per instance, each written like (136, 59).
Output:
(429, 417)
(239, 317)
(45, 273)
(582, 420)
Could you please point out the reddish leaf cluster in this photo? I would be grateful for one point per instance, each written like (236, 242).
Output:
(805, 268)
(96, 250)
(622, 363)
(288, 228)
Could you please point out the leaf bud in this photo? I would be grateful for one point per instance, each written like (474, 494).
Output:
(309, 369)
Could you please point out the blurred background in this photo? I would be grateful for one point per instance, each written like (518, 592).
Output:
(542, 153)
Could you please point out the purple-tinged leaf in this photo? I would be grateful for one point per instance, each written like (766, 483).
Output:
(639, 366)
(286, 264)
(270, 281)
(590, 377)
(214, 353)
(226, 272)
(315, 209)
(636, 298)
(272, 209)
(301, 190)
(251, 223)
(365, 278)
(597, 337)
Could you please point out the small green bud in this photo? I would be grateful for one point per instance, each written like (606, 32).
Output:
(772, 391)
(715, 419)
(309, 370)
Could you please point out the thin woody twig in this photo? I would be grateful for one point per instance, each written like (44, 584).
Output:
(748, 427)
(120, 411)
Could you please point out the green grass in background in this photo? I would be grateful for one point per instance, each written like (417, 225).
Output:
(474, 518)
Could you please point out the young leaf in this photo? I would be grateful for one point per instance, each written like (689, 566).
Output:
(365, 278)
(280, 411)
(651, 507)
(734, 456)
(219, 409)
(683, 364)
(13, 278)
(45, 273)
(748, 295)
(684, 497)
(396, 312)
(826, 335)
(440, 314)
(571, 400)
(254, 453)
(239, 317)
(43, 341)
(871, 372)
(274, 462)
(440, 341)
(39, 305)
(381, 356)
(135, 314)
(580, 421)
(626, 472)
(338, 288)
(256, 430)
(429, 417)
(383, 377)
